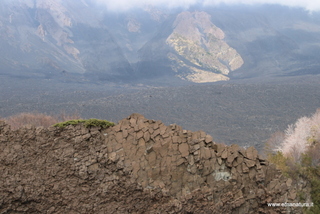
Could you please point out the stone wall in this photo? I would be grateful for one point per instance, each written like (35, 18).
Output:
(137, 166)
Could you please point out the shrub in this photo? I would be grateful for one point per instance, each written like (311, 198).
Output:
(98, 123)
(280, 161)
(63, 116)
(311, 172)
(315, 196)
(34, 119)
(312, 155)
(87, 123)
(296, 138)
(273, 145)
(37, 119)
(298, 154)
(69, 122)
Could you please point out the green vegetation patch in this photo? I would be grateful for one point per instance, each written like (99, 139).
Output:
(307, 168)
(87, 123)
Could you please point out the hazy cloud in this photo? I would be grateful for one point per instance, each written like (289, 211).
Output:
(311, 5)
(128, 4)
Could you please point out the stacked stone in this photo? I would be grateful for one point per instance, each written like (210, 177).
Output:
(66, 166)
(180, 161)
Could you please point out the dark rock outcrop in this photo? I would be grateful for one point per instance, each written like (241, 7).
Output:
(137, 166)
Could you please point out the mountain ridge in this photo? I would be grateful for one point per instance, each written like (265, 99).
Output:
(46, 38)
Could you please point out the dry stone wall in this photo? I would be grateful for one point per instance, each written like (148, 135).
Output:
(137, 166)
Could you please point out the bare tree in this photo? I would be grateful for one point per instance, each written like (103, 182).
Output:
(296, 140)
(274, 143)
(38, 119)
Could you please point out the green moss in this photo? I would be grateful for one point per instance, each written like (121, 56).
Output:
(87, 123)
(67, 123)
(98, 123)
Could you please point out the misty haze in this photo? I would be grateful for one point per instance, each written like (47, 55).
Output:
(238, 72)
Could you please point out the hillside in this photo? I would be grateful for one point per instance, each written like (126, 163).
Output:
(49, 39)
(84, 42)
(136, 166)
(241, 112)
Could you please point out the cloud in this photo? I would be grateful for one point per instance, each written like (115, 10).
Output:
(128, 4)
(123, 5)
(310, 5)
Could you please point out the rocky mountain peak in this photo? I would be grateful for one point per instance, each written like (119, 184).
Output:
(45, 37)
(196, 26)
(197, 40)
(56, 10)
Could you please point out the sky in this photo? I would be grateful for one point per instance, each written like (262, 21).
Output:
(309, 5)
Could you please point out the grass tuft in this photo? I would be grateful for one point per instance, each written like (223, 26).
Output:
(87, 123)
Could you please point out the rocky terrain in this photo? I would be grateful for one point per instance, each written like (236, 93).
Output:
(137, 166)
(83, 41)
(244, 113)
(50, 38)
(196, 40)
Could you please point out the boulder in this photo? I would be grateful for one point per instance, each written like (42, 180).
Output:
(251, 153)
(184, 149)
